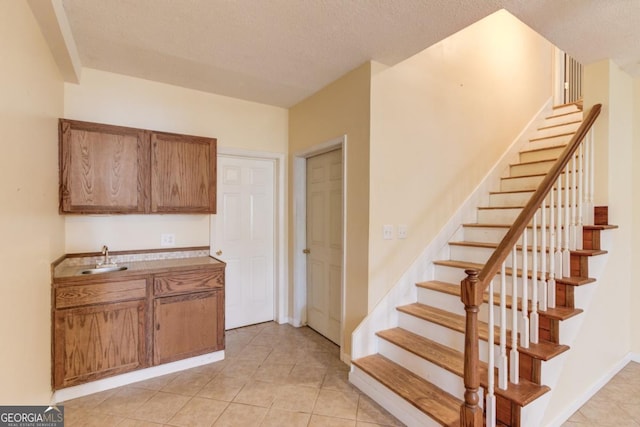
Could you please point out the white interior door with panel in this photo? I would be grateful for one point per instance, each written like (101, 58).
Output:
(324, 244)
(244, 238)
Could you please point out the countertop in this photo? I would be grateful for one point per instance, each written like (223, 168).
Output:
(70, 267)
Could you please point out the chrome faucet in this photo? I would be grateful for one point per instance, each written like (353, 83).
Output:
(106, 262)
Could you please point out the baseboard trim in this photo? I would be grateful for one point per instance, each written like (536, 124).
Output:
(132, 377)
(591, 391)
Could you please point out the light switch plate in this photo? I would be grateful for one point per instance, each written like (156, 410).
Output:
(402, 231)
(387, 232)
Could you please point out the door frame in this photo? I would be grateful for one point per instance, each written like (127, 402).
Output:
(299, 316)
(281, 284)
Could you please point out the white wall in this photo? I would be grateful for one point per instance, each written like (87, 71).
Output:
(440, 121)
(116, 99)
(31, 229)
(635, 290)
(604, 338)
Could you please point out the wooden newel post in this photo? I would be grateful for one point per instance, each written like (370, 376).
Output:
(470, 411)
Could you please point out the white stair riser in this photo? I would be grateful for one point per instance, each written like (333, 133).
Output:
(484, 234)
(549, 142)
(563, 116)
(498, 216)
(544, 154)
(481, 255)
(450, 302)
(524, 169)
(510, 199)
(521, 183)
(508, 215)
(557, 128)
(456, 275)
(441, 300)
(491, 234)
(440, 334)
(397, 406)
(433, 373)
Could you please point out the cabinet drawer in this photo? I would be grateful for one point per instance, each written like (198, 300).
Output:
(99, 293)
(177, 283)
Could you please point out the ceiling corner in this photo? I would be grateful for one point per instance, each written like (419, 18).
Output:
(52, 19)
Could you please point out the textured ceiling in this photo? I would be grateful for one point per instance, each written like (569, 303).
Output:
(279, 52)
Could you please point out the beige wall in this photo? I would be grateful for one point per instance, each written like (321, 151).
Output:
(440, 120)
(604, 337)
(635, 289)
(116, 99)
(338, 109)
(31, 229)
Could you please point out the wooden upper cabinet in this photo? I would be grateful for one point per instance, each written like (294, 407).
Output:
(107, 169)
(183, 174)
(103, 168)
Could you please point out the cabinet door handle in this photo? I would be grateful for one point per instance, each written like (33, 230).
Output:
(157, 326)
(218, 252)
(306, 251)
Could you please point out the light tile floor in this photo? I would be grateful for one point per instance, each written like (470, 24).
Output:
(281, 376)
(616, 404)
(273, 375)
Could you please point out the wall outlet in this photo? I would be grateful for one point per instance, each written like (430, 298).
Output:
(387, 232)
(402, 231)
(168, 239)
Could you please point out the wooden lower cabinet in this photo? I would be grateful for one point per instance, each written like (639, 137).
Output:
(188, 325)
(98, 341)
(103, 327)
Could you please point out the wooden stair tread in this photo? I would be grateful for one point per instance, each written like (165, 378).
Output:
(453, 361)
(560, 124)
(533, 162)
(491, 245)
(542, 138)
(600, 227)
(512, 192)
(556, 313)
(571, 281)
(535, 149)
(543, 350)
(425, 396)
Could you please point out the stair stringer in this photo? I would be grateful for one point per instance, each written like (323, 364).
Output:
(534, 414)
(383, 315)
(584, 299)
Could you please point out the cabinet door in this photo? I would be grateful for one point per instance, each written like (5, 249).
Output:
(188, 325)
(183, 174)
(103, 168)
(98, 341)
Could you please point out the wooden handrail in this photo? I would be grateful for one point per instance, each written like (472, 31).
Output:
(492, 266)
(474, 285)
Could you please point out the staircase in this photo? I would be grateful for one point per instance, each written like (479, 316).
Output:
(418, 370)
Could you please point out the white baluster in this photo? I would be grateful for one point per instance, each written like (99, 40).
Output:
(490, 398)
(503, 373)
(558, 253)
(534, 279)
(513, 356)
(590, 205)
(554, 250)
(567, 225)
(574, 217)
(524, 336)
(543, 259)
(580, 226)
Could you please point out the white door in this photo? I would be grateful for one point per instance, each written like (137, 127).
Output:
(243, 237)
(324, 244)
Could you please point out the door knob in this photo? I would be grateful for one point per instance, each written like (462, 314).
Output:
(218, 252)
(306, 251)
